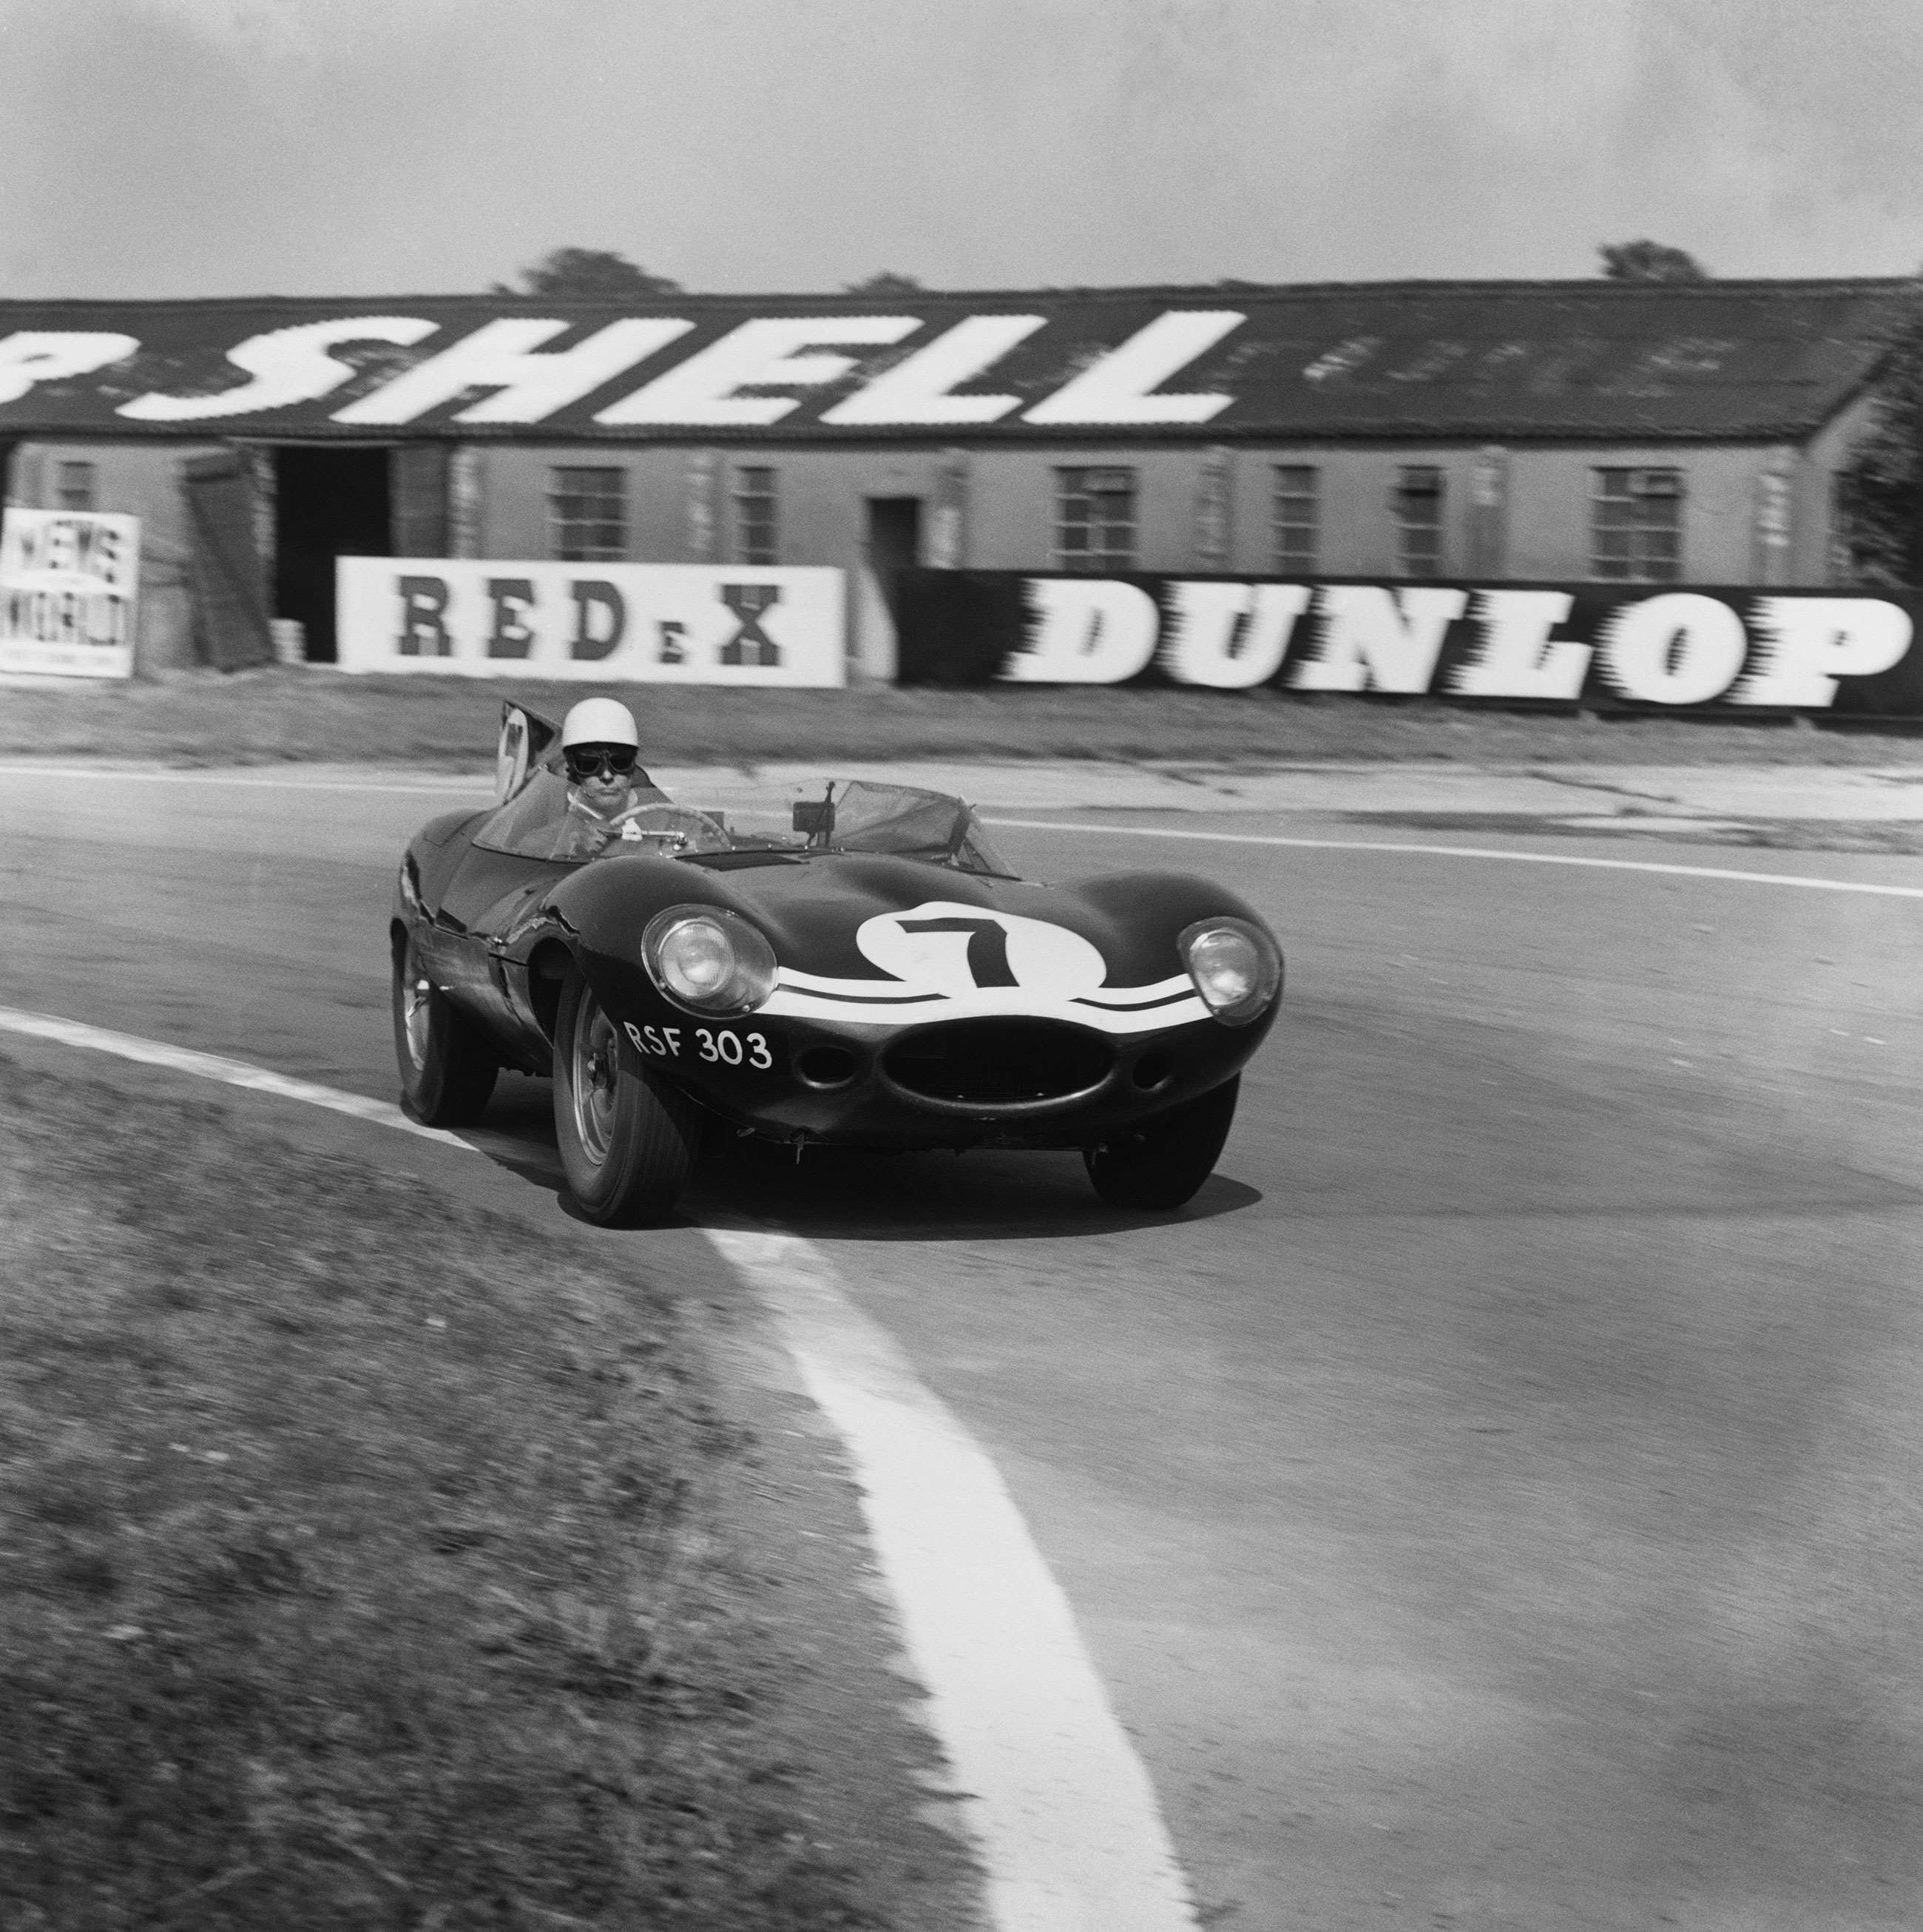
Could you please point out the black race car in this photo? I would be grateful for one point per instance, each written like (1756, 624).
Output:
(867, 973)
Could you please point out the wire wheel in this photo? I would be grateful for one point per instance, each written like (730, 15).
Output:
(595, 1069)
(416, 995)
(448, 1068)
(627, 1138)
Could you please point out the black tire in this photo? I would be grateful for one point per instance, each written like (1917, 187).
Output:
(628, 1139)
(447, 1070)
(1159, 1164)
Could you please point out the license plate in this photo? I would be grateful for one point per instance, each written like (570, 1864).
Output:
(751, 1049)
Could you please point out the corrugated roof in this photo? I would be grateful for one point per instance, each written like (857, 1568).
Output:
(1590, 360)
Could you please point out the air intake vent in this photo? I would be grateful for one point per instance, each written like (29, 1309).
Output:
(999, 1062)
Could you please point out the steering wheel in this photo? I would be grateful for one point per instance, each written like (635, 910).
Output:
(669, 828)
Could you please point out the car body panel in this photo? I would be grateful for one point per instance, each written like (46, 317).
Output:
(916, 1003)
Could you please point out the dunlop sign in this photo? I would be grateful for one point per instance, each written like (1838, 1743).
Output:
(665, 623)
(1599, 646)
(68, 580)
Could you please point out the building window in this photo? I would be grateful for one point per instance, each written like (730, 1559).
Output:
(587, 515)
(1095, 519)
(75, 487)
(1636, 525)
(756, 526)
(1418, 508)
(1294, 519)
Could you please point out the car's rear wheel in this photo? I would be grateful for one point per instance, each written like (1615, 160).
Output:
(447, 1071)
(1160, 1163)
(628, 1139)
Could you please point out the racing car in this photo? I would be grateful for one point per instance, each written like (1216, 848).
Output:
(864, 971)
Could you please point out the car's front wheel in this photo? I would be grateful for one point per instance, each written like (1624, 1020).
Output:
(1160, 1163)
(628, 1139)
(447, 1072)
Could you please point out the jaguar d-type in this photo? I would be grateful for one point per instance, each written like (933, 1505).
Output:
(863, 971)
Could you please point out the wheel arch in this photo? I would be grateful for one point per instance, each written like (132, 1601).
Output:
(547, 965)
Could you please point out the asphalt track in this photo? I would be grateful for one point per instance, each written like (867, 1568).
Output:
(1498, 1501)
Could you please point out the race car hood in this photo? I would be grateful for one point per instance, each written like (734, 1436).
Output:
(862, 938)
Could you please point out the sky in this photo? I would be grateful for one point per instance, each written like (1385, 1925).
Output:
(163, 148)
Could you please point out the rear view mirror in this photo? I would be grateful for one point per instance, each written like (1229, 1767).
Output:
(815, 816)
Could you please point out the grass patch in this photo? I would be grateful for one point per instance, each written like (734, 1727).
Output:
(354, 1568)
(259, 716)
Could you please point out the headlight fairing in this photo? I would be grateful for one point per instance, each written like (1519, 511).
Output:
(1236, 967)
(708, 960)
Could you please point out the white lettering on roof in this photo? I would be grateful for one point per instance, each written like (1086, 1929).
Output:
(764, 354)
(504, 356)
(30, 356)
(288, 366)
(1119, 387)
(920, 388)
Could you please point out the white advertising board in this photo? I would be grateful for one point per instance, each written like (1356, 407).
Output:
(655, 623)
(69, 580)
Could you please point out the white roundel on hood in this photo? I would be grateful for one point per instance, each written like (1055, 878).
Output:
(962, 948)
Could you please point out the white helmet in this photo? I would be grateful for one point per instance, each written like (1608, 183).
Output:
(599, 721)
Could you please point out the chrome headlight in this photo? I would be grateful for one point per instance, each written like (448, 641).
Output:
(709, 961)
(1235, 965)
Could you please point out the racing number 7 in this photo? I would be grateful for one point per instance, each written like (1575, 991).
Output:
(988, 946)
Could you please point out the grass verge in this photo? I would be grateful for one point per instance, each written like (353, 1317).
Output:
(446, 723)
(354, 1567)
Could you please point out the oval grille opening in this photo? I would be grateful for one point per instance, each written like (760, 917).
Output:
(999, 1062)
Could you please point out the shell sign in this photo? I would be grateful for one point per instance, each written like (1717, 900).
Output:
(451, 363)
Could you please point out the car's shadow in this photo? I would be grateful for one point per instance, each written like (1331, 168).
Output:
(840, 1195)
(987, 1196)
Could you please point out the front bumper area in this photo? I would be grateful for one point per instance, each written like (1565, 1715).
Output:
(850, 1087)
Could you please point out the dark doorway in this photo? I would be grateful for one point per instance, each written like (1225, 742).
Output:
(327, 503)
(894, 534)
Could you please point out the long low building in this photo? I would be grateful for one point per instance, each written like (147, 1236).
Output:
(1557, 431)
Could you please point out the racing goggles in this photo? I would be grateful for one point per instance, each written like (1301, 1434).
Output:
(588, 761)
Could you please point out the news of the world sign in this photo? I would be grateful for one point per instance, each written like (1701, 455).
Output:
(68, 583)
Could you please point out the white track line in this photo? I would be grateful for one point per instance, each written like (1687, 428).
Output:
(1067, 1820)
(456, 788)
(1061, 1807)
(1801, 879)
(212, 1067)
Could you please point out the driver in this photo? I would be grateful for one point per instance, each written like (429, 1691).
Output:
(600, 746)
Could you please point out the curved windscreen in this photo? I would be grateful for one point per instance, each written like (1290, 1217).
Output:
(902, 820)
(548, 819)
